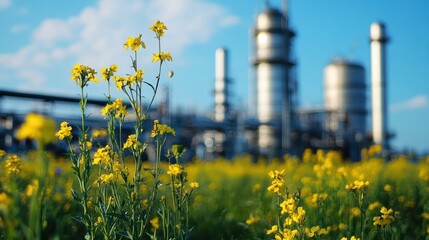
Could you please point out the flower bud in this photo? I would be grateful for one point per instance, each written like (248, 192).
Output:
(170, 74)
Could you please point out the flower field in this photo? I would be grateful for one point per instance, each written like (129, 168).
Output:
(235, 199)
(103, 187)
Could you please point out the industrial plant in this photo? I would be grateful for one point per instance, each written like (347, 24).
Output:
(279, 126)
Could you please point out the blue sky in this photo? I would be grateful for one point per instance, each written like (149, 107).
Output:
(42, 40)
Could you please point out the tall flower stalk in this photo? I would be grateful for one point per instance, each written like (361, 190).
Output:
(117, 202)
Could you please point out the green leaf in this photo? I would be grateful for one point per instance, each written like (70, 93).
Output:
(75, 196)
(125, 234)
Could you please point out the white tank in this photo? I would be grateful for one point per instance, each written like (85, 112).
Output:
(345, 97)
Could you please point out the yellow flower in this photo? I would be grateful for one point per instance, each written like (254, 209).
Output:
(106, 178)
(98, 133)
(323, 231)
(374, 205)
(174, 170)
(252, 220)
(116, 109)
(13, 164)
(83, 74)
(299, 215)
(161, 56)
(155, 223)
(132, 143)
(273, 229)
(387, 188)
(288, 206)
(2, 153)
(355, 212)
(4, 200)
(99, 220)
(386, 217)
(425, 216)
(64, 132)
(161, 129)
(194, 185)
(358, 185)
(158, 28)
(106, 73)
(37, 127)
(351, 238)
(102, 156)
(31, 188)
(134, 43)
(310, 232)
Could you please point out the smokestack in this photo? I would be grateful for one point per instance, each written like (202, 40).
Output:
(221, 85)
(378, 78)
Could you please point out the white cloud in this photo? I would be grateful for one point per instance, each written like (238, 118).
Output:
(419, 101)
(5, 4)
(95, 36)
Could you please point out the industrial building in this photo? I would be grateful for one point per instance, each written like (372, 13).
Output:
(280, 126)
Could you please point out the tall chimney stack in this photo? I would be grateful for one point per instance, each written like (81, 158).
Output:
(221, 85)
(378, 78)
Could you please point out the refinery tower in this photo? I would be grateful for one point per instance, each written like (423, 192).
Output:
(272, 62)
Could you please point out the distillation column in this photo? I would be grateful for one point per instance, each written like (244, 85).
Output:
(378, 78)
(271, 63)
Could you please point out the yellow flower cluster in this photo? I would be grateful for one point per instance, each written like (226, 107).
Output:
(103, 156)
(175, 170)
(31, 188)
(134, 43)
(299, 215)
(288, 206)
(127, 81)
(310, 232)
(318, 197)
(277, 181)
(116, 108)
(287, 234)
(65, 131)
(158, 28)
(161, 129)
(358, 185)
(37, 127)
(99, 133)
(351, 238)
(106, 73)
(385, 219)
(252, 220)
(132, 143)
(13, 164)
(83, 74)
(194, 185)
(106, 178)
(155, 223)
(2, 153)
(162, 57)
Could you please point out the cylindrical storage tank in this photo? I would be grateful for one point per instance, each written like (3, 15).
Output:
(221, 84)
(345, 97)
